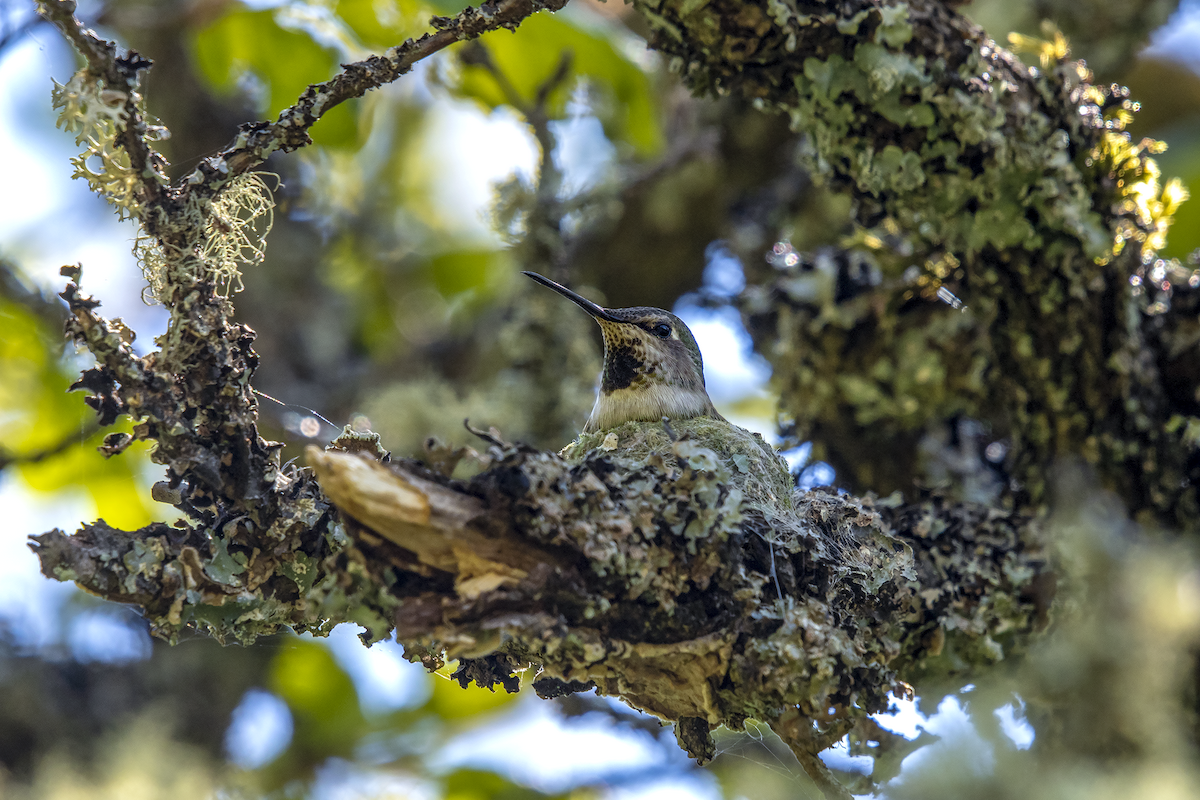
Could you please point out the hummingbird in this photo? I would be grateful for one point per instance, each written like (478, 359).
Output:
(652, 365)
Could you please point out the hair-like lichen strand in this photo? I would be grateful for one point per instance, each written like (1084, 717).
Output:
(235, 226)
(96, 116)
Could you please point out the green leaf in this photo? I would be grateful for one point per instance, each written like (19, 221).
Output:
(355, 273)
(1183, 160)
(448, 8)
(306, 675)
(452, 702)
(322, 699)
(473, 784)
(462, 270)
(39, 414)
(529, 58)
(285, 61)
(383, 23)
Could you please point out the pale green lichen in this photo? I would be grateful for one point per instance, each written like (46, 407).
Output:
(225, 233)
(223, 567)
(975, 156)
(234, 227)
(65, 574)
(742, 457)
(96, 116)
(894, 28)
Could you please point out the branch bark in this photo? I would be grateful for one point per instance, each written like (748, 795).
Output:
(664, 579)
(659, 584)
(1011, 188)
(289, 132)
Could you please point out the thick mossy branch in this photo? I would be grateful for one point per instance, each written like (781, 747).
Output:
(254, 526)
(1015, 190)
(652, 566)
(193, 399)
(899, 390)
(655, 580)
(919, 114)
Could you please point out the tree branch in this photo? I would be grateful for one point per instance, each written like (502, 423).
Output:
(290, 130)
(1013, 188)
(806, 744)
(658, 584)
(120, 74)
(679, 579)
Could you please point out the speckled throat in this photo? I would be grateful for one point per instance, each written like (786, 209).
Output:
(647, 378)
(652, 365)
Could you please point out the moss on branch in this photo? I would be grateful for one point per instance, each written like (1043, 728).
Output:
(675, 578)
(1015, 190)
(654, 580)
(674, 568)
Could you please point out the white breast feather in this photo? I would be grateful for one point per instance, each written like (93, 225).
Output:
(646, 403)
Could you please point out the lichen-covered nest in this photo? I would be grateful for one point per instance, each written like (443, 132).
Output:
(752, 464)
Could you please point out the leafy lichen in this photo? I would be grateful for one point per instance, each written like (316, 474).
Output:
(97, 114)
(745, 458)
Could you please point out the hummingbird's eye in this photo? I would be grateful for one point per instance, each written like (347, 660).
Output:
(662, 330)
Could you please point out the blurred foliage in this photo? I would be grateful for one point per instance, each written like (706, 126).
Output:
(323, 703)
(382, 295)
(1110, 690)
(138, 762)
(78, 715)
(1107, 35)
(620, 92)
(274, 56)
(48, 434)
(399, 747)
(378, 25)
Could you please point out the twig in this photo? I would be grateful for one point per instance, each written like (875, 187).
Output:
(491, 436)
(120, 73)
(289, 132)
(796, 731)
(560, 74)
(8, 458)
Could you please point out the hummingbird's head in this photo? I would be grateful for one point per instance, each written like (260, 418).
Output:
(652, 365)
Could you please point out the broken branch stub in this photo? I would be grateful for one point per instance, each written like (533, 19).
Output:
(431, 521)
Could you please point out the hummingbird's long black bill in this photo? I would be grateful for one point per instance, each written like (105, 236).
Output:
(599, 312)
